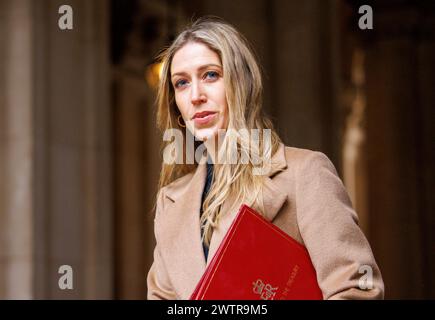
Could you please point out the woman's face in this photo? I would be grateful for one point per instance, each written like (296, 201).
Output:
(197, 79)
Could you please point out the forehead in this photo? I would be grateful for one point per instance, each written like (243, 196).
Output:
(192, 56)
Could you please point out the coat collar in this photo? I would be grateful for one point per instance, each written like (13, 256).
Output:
(184, 197)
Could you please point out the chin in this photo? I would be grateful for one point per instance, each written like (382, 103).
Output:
(207, 133)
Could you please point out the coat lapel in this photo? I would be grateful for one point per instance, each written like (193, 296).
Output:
(184, 247)
(273, 200)
(182, 242)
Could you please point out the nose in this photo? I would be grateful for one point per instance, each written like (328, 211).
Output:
(197, 96)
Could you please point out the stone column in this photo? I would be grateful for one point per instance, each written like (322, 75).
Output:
(56, 202)
(306, 75)
(137, 158)
(400, 131)
(16, 151)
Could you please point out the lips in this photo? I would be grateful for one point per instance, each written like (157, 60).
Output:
(202, 114)
(204, 118)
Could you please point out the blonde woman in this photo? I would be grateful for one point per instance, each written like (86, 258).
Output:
(211, 90)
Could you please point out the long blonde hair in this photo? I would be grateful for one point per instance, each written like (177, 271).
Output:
(243, 86)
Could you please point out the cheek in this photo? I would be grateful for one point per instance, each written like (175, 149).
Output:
(179, 101)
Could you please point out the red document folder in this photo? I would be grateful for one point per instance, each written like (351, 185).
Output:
(257, 260)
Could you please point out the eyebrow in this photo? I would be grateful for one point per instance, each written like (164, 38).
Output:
(205, 66)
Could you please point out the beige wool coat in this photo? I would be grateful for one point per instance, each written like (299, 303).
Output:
(303, 196)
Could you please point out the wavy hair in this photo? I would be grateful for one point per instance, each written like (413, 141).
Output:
(243, 86)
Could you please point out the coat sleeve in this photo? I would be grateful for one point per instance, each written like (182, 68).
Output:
(158, 282)
(341, 255)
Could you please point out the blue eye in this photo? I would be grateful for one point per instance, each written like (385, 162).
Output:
(180, 83)
(211, 75)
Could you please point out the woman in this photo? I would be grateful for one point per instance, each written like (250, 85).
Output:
(211, 88)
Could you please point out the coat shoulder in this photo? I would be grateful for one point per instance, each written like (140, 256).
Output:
(297, 153)
(301, 159)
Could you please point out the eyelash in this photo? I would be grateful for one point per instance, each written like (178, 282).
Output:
(215, 75)
(212, 72)
(178, 83)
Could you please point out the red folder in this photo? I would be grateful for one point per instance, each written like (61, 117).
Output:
(257, 260)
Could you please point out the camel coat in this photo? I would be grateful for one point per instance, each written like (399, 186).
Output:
(303, 196)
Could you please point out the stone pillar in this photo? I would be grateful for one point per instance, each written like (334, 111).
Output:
(137, 158)
(306, 75)
(400, 99)
(56, 208)
(16, 151)
(354, 140)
